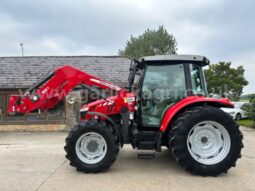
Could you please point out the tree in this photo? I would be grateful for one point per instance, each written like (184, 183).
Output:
(250, 109)
(224, 80)
(151, 42)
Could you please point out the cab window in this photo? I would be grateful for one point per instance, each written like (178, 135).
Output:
(197, 80)
(163, 86)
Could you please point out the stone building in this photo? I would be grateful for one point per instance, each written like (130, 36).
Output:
(19, 73)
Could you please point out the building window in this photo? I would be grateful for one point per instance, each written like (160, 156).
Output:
(54, 115)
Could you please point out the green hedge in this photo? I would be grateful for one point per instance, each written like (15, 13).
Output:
(246, 123)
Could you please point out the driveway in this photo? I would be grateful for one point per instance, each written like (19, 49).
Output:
(35, 161)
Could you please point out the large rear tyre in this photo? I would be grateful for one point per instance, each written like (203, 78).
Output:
(205, 141)
(92, 146)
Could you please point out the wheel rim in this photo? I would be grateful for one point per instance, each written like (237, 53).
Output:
(91, 148)
(208, 142)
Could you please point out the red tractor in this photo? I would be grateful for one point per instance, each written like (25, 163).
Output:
(164, 105)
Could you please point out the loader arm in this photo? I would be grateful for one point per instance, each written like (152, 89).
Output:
(53, 88)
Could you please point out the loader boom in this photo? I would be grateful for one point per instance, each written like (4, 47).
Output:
(54, 88)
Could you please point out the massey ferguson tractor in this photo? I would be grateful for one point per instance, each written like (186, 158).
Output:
(164, 105)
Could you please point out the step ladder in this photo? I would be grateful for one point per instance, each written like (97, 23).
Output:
(146, 150)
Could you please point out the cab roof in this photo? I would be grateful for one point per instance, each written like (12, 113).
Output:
(174, 57)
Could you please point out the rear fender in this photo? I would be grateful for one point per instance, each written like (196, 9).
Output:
(191, 101)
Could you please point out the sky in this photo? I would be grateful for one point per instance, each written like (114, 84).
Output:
(222, 30)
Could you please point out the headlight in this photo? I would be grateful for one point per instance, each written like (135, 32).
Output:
(84, 109)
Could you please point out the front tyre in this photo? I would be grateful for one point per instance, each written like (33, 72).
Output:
(205, 141)
(92, 146)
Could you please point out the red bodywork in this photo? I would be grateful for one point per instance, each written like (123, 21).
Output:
(112, 105)
(172, 111)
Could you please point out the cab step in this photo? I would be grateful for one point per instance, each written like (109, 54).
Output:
(146, 145)
(146, 154)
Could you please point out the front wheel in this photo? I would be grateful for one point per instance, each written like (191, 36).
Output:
(205, 141)
(92, 146)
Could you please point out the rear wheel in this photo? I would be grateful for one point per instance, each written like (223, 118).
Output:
(92, 146)
(205, 141)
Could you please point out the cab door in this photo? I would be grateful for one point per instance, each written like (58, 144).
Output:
(163, 85)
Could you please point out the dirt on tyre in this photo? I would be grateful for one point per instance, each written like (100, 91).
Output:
(92, 146)
(205, 141)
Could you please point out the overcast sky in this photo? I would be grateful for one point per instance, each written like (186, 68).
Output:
(222, 30)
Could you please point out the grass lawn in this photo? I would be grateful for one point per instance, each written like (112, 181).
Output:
(245, 122)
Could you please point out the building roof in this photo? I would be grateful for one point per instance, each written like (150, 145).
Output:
(23, 72)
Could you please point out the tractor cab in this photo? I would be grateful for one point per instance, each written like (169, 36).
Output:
(162, 81)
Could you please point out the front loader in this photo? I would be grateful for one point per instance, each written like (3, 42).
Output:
(166, 104)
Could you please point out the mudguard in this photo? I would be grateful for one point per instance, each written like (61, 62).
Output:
(188, 101)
